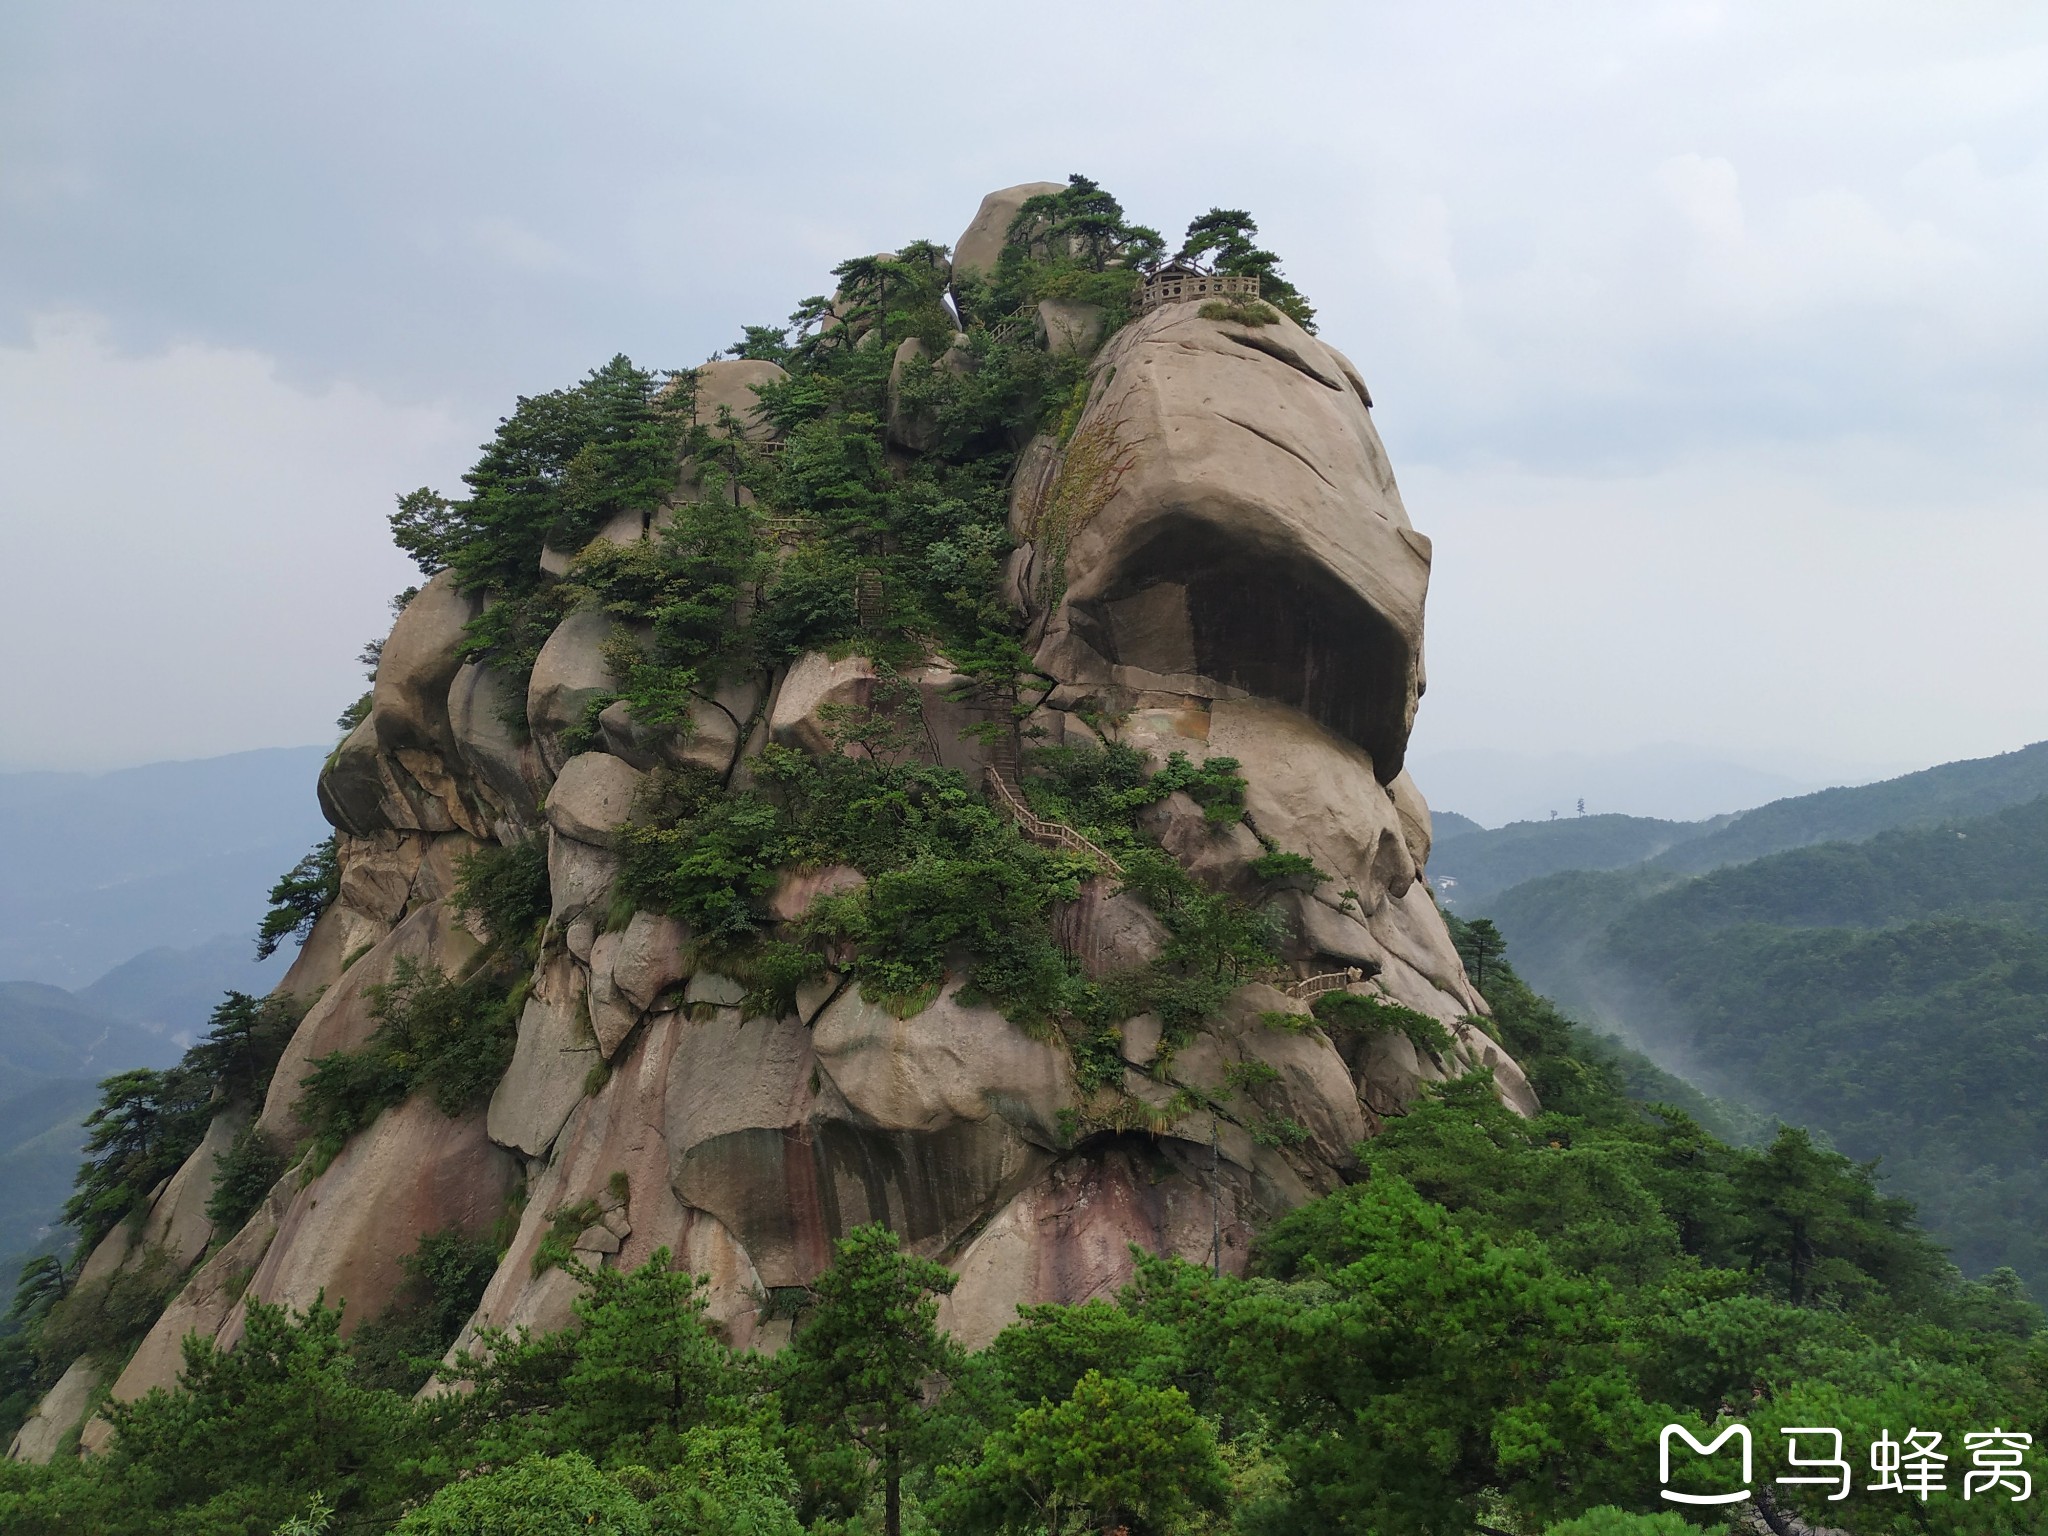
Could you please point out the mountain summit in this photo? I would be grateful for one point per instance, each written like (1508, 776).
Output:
(941, 766)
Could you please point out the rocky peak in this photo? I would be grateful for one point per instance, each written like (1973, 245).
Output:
(1211, 573)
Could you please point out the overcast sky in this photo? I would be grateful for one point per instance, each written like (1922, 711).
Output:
(1710, 341)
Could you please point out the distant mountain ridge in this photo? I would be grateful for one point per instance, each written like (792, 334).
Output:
(1889, 991)
(129, 904)
(1971, 787)
(1663, 782)
(97, 868)
(1486, 862)
(1473, 865)
(54, 1048)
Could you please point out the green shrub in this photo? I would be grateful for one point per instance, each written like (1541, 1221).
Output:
(445, 1277)
(242, 1177)
(506, 889)
(725, 1478)
(1372, 1016)
(445, 1036)
(107, 1318)
(1237, 309)
(1277, 1131)
(1288, 866)
(301, 894)
(1609, 1521)
(537, 1496)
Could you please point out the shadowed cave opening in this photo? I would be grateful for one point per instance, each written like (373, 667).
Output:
(1195, 598)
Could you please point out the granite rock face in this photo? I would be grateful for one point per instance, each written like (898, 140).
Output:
(1232, 529)
(1215, 562)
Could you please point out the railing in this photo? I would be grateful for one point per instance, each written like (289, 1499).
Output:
(1182, 288)
(1054, 834)
(870, 605)
(1015, 326)
(1328, 981)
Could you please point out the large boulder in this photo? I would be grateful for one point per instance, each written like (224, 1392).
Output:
(1106, 930)
(365, 789)
(1310, 1087)
(1309, 791)
(409, 700)
(915, 1141)
(57, 1415)
(568, 676)
(628, 527)
(948, 1062)
(1232, 528)
(797, 889)
(616, 1155)
(1069, 1235)
(981, 244)
(1220, 854)
(551, 1061)
(581, 878)
(909, 427)
(801, 716)
(337, 933)
(731, 385)
(1069, 326)
(345, 1016)
(718, 724)
(504, 761)
(177, 1223)
(1413, 813)
(415, 1171)
(593, 797)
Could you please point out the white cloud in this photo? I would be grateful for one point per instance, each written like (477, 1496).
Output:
(1707, 194)
(1671, 299)
(1834, 602)
(195, 549)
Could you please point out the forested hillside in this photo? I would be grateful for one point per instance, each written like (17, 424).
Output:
(1483, 1334)
(1891, 993)
(1945, 793)
(1483, 862)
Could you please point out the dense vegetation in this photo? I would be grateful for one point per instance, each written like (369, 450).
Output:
(1485, 1332)
(840, 538)
(145, 1125)
(301, 894)
(1891, 994)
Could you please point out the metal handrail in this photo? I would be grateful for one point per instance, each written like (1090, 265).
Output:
(1055, 833)
(1328, 981)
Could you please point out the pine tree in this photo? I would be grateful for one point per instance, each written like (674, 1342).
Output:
(857, 1371)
